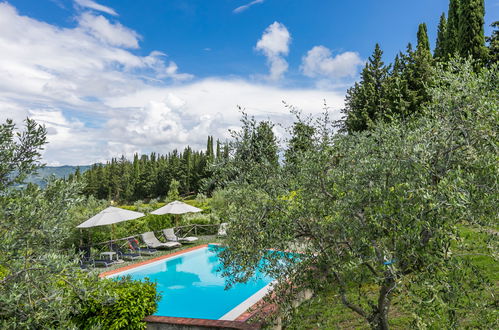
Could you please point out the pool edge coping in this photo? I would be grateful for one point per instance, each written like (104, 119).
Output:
(205, 323)
(149, 261)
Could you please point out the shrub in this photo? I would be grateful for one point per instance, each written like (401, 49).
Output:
(116, 304)
(200, 219)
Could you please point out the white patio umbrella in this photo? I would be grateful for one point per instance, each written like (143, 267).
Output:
(176, 207)
(110, 216)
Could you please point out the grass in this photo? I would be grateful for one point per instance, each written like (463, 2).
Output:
(326, 311)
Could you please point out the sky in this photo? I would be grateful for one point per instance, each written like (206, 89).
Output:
(113, 77)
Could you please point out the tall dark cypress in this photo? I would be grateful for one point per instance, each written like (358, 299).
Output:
(219, 153)
(209, 147)
(471, 36)
(418, 72)
(440, 44)
(452, 31)
(423, 42)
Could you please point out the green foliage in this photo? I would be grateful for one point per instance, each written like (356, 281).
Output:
(301, 141)
(200, 219)
(493, 41)
(470, 34)
(379, 208)
(173, 194)
(220, 204)
(254, 153)
(423, 42)
(41, 287)
(363, 102)
(441, 34)
(385, 94)
(209, 149)
(452, 31)
(201, 201)
(149, 176)
(115, 304)
(325, 310)
(20, 152)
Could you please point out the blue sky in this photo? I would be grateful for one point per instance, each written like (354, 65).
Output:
(111, 77)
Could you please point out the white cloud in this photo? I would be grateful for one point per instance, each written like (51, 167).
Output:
(274, 44)
(172, 117)
(98, 100)
(155, 61)
(41, 62)
(69, 141)
(112, 34)
(95, 6)
(319, 62)
(242, 8)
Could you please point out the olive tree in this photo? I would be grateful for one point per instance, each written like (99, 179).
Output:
(371, 212)
(41, 284)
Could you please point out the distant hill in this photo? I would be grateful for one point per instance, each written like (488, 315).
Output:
(57, 171)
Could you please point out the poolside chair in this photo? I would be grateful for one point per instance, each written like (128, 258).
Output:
(222, 230)
(152, 242)
(86, 258)
(134, 246)
(170, 236)
(123, 254)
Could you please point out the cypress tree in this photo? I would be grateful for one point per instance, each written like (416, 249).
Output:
(209, 148)
(301, 141)
(219, 152)
(364, 101)
(423, 42)
(452, 31)
(471, 35)
(440, 44)
(417, 74)
(493, 41)
(397, 95)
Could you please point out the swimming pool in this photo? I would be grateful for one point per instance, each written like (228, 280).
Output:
(191, 286)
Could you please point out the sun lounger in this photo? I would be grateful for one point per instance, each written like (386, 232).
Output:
(134, 246)
(170, 236)
(86, 259)
(152, 242)
(123, 254)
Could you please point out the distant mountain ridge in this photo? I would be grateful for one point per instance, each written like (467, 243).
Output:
(57, 171)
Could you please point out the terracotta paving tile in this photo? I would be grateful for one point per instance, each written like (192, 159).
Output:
(201, 322)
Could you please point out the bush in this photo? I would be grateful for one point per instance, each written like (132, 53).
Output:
(116, 304)
(200, 219)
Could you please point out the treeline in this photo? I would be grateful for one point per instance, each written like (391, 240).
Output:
(149, 176)
(398, 90)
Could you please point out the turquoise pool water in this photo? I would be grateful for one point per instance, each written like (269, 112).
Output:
(191, 286)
